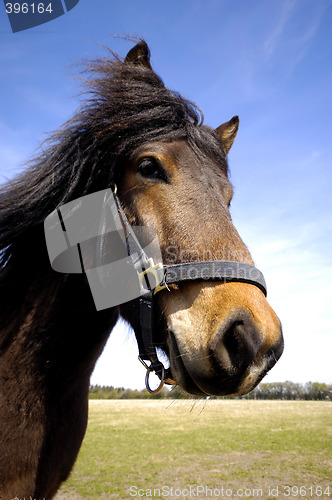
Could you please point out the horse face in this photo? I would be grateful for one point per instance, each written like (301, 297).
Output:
(221, 338)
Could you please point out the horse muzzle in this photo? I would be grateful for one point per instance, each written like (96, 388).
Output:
(228, 359)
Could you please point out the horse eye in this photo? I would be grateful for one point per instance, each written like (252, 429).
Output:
(149, 168)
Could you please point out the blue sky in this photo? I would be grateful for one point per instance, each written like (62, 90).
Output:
(268, 61)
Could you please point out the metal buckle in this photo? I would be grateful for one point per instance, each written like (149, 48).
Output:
(153, 270)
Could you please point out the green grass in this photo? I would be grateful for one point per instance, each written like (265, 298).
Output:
(230, 443)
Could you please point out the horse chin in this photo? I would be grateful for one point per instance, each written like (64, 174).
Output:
(180, 374)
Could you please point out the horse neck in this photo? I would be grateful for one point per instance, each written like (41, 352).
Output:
(50, 339)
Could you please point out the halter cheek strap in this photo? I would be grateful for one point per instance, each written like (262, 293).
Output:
(147, 349)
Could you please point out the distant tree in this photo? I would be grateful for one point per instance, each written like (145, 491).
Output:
(272, 390)
(317, 391)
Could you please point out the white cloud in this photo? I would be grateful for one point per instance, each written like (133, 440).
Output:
(273, 40)
(270, 58)
(299, 37)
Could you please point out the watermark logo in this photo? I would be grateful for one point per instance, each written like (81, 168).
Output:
(24, 15)
(88, 236)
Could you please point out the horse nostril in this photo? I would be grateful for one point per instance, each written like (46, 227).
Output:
(236, 344)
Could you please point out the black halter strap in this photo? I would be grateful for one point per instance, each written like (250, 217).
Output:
(225, 271)
(219, 270)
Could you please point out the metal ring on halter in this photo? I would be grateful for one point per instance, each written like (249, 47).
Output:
(148, 371)
(162, 381)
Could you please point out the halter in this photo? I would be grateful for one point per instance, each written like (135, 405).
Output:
(77, 234)
(156, 277)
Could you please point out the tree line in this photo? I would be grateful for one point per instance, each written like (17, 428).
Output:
(310, 391)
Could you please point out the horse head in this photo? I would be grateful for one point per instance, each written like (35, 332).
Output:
(221, 338)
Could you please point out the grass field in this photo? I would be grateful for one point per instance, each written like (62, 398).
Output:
(213, 449)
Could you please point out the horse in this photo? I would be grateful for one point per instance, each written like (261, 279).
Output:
(171, 174)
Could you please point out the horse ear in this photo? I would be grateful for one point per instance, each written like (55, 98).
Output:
(227, 132)
(139, 55)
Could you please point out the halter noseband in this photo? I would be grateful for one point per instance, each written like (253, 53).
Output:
(155, 278)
